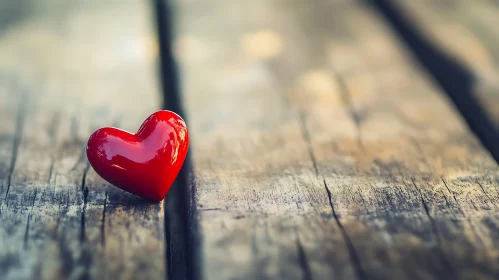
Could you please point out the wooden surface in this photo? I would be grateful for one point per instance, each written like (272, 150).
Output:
(465, 33)
(321, 149)
(322, 145)
(66, 69)
(473, 25)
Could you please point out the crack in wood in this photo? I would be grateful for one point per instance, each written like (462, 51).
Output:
(445, 198)
(51, 171)
(354, 258)
(427, 211)
(26, 232)
(303, 260)
(454, 197)
(434, 228)
(473, 203)
(306, 137)
(467, 217)
(347, 101)
(103, 222)
(486, 194)
(84, 190)
(18, 134)
(359, 270)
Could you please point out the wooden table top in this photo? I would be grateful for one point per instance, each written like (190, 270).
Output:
(330, 139)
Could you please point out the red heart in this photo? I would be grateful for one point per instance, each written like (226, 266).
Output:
(145, 163)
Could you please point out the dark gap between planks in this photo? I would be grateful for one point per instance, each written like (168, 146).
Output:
(180, 214)
(454, 78)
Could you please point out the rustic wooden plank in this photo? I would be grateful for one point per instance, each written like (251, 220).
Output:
(465, 32)
(322, 150)
(66, 69)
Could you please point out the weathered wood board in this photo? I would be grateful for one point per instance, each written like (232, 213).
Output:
(66, 69)
(322, 150)
(320, 147)
(466, 31)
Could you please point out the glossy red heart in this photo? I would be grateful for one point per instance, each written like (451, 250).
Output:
(145, 163)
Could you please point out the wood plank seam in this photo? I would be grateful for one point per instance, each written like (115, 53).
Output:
(453, 77)
(180, 218)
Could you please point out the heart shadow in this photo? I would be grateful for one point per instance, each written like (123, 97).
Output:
(120, 197)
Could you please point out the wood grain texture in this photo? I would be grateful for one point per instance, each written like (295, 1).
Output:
(322, 150)
(66, 69)
(466, 31)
